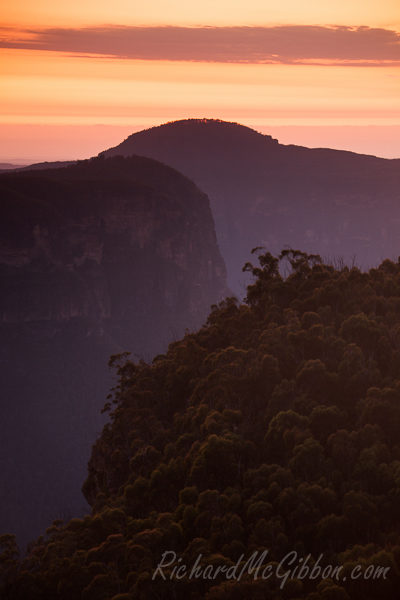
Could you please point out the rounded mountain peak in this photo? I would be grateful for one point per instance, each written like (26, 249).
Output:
(206, 133)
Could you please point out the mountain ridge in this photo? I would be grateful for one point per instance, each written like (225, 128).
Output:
(331, 202)
(234, 126)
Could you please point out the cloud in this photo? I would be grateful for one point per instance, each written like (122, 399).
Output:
(289, 44)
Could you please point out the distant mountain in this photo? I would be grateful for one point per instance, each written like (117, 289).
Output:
(335, 203)
(48, 165)
(98, 258)
(5, 166)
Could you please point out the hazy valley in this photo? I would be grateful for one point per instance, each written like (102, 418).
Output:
(268, 423)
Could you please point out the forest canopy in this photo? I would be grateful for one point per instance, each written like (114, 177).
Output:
(275, 427)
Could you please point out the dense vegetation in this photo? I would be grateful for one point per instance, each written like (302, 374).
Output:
(274, 427)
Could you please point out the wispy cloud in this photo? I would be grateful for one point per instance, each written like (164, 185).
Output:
(290, 44)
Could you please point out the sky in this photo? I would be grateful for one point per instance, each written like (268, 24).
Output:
(77, 77)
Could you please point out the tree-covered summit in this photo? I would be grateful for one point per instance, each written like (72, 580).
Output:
(274, 428)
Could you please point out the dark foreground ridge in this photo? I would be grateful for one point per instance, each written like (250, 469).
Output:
(274, 429)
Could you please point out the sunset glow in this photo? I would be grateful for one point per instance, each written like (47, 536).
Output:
(308, 67)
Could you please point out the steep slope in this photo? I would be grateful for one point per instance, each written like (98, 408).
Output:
(270, 433)
(98, 258)
(337, 204)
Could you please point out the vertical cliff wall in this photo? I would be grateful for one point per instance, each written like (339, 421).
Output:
(95, 259)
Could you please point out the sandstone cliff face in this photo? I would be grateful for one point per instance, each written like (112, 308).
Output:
(98, 258)
(106, 240)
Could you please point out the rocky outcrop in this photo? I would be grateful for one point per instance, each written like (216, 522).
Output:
(106, 240)
(97, 258)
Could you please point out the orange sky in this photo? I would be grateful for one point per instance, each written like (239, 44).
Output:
(78, 76)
